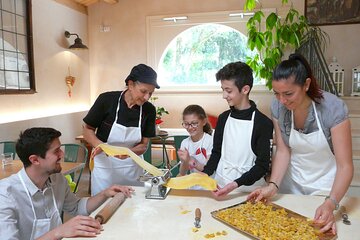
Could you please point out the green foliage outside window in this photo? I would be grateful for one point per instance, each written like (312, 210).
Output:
(195, 55)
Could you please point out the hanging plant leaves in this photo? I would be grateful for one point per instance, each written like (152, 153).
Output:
(280, 35)
(271, 21)
(250, 4)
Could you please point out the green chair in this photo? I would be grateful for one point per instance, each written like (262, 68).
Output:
(75, 153)
(177, 142)
(8, 147)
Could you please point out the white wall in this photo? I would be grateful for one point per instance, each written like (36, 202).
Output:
(111, 56)
(68, 124)
(114, 53)
(50, 105)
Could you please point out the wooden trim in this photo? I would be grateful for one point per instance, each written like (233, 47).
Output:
(87, 2)
(111, 1)
(16, 91)
(73, 5)
(30, 45)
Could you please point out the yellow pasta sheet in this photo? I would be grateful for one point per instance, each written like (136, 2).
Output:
(191, 180)
(114, 151)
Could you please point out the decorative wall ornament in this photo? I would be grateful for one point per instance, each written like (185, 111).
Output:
(356, 81)
(337, 73)
(70, 81)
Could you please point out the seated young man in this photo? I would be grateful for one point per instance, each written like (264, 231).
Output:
(32, 200)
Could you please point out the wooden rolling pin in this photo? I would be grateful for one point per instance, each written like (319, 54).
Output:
(109, 209)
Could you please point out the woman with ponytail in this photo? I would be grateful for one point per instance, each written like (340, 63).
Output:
(313, 141)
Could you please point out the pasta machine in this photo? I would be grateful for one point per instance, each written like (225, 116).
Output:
(157, 189)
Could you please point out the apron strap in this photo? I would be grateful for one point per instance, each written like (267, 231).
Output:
(27, 192)
(118, 109)
(315, 113)
(316, 116)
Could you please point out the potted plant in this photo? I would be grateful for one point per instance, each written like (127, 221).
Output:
(279, 36)
(160, 111)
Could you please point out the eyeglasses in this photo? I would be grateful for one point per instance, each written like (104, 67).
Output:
(187, 125)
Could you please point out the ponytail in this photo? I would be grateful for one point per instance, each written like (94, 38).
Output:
(207, 128)
(298, 67)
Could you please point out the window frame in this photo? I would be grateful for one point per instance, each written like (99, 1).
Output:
(30, 54)
(156, 26)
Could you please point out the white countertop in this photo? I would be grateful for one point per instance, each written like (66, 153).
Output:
(175, 131)
(173, 218)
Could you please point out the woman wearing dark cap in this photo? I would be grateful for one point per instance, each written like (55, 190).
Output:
(121, 118)
(313, 141)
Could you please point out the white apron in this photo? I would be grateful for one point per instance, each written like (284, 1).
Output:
(42, 226)
(237, 156)
(110, 170)
(312, 165)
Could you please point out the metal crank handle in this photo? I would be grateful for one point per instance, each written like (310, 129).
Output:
(177, 164)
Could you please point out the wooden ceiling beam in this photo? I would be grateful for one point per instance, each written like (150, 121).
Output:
(86, 2)
(81, 5)
(90, 2)
(111, 1)
(73, 5)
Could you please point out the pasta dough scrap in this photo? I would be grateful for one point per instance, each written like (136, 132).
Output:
(114, 151)
(190, 180)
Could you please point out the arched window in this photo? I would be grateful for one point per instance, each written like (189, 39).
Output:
(195, 55)
(187, 50)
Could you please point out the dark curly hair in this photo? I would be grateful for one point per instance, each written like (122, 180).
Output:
(35, 141)
(239, 72)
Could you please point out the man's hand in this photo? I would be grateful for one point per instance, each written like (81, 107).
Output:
(79, 226)
(111, 191)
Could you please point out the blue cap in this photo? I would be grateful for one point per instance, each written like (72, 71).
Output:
(143, 74)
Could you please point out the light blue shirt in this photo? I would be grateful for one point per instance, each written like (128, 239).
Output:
(16, 214)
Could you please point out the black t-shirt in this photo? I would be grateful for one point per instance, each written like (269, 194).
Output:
(102, 115)
(260, 143)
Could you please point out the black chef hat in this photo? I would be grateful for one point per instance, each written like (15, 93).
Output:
(144, 74)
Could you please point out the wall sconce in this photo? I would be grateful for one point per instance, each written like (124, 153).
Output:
(78, 42)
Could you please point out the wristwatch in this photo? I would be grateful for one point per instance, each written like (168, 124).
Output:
(333, 201)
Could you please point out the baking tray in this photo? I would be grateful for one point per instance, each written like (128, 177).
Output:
(325, 236)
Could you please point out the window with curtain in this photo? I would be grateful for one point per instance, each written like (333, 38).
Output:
(16, 57)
